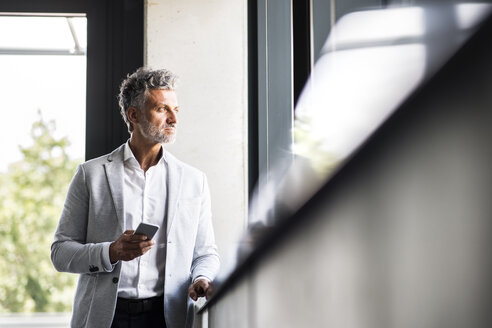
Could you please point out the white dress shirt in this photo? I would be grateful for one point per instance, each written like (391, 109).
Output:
(144, 201)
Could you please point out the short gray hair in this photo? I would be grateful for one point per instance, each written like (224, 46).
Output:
(133, 90)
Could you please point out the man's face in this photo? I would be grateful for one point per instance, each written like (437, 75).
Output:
(159, 120)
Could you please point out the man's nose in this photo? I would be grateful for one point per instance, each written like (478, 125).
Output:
(172, 117)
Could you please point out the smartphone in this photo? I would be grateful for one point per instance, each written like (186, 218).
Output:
(146, 229)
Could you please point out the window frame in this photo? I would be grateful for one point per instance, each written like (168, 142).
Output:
(115, 47)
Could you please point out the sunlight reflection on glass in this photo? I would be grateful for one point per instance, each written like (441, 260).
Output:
(370, 64)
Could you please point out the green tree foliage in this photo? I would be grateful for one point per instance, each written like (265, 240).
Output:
(310, 147)
(32, 193)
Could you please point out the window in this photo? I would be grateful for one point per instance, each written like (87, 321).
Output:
(285, 40)
(105, 39)
(43, 85)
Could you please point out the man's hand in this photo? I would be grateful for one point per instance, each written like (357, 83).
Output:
(201, 287)
(129, 246)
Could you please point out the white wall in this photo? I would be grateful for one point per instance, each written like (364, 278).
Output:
(205, 43)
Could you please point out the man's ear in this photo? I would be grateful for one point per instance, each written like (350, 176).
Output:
(133, 115)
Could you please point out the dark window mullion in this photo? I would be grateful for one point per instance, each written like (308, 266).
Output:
(301, 20)
(253, 166)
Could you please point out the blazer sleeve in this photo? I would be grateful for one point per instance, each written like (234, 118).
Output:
(69, 251)
(206, 260)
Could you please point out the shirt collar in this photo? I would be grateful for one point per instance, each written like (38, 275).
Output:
(128, 154)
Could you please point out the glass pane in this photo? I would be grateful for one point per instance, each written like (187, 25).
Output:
(42, 141)
(370, 64)
(372, 61)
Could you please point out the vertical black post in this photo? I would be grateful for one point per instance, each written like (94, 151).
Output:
(115, 48)
(253, 167)
(301, 18)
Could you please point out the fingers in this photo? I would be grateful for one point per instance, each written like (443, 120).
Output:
(200, 288)
(129, 246)
(130, 236)
(193, 294)
(130, 254)
(147, 248)
(140, 237)
(138, 244)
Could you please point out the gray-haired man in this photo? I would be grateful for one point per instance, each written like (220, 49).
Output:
(125, 279)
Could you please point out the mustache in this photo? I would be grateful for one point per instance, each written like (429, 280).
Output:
(172, 125)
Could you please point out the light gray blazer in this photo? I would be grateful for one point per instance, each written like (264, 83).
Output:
(93, 214)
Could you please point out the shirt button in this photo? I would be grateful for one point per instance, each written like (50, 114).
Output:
(115, 280)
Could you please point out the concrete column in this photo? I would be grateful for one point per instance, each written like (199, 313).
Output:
(205, 43)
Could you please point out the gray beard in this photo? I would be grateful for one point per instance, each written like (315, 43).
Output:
(153, 133)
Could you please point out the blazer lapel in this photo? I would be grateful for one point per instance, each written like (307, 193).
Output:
(114, 173)
(173, 189)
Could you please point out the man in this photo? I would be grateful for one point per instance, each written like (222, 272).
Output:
(126, 280)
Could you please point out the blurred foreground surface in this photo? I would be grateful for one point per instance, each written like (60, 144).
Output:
(397, 233)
